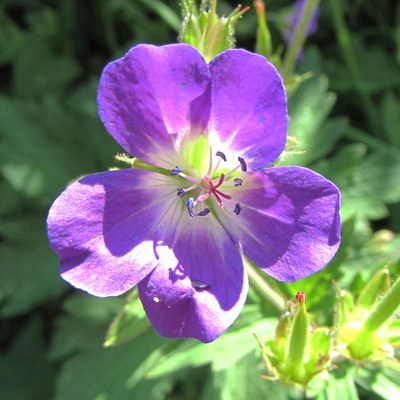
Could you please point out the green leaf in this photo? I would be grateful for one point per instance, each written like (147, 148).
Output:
(308, 109)
(222, 353)
(26, 373)
(242, 381)
(391, 119)
(111, 373)
(378, 71)
(130, 322)
(339, 385)
(29, 271)
(38, 71)
(383, 381)
(44, 146)
(367, 181)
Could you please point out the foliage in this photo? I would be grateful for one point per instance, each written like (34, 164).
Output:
(345, 116)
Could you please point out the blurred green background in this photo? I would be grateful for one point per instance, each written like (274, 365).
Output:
(347, 117)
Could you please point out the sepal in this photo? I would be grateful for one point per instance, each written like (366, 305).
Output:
(205, 30)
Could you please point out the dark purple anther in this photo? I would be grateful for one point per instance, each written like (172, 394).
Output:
(181, 192)
(237, 209)
(189, 206)
(176, 171)
(238, 181)
(204, 212)
(243, 164)
(200, 285)
(221, 154)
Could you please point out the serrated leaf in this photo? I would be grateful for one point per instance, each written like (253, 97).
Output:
(308, 110)
(242, 381)
(222, 353)
(339, 385)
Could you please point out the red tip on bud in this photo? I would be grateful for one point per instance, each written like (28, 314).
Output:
(301, 297)
(259, 5)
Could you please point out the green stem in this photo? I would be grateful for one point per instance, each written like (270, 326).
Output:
(298, 40)
(385, 308)
(262, 288)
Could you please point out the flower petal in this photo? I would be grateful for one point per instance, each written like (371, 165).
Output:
(289, 223)
(99, 227)
(150, 97)
(199, 288)
(248, 112)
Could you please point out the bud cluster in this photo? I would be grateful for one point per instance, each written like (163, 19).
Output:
(364, 332)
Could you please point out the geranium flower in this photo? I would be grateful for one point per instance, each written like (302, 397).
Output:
(294, 19)
(178, 227)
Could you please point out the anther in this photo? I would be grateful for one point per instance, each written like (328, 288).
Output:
(237, 209)
(196, 284)
(238, 181)
(221, 154)
(181, 192)
(243, 164)
(203, 212)
(176, 171)
(190, 206)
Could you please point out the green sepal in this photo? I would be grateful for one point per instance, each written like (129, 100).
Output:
(205, 30)
(294, 366)
(375, 288)
(345, 306)
(394, 333)
(263, 41)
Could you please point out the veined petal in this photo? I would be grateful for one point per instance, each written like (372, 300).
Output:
(248, 112)
(152, 96)
(199, 287)
(100, 227)
(289, 223)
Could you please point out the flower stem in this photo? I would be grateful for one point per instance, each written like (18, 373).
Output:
(385, 308)
(262, 288)
(299, 38)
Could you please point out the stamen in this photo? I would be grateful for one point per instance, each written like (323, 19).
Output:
(204, 212)
(243, 164)
(210, 165)
(176, 171)
(221, 154)
(181, 192)
(196, 284)
(237, 209)
(190, 206)
(238, 181)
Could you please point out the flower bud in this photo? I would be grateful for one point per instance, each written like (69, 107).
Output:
(298, 353)
(205, 30)
(366, 333)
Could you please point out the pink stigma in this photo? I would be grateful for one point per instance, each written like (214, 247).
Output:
(213, 189)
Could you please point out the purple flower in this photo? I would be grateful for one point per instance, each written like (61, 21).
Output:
(178, 227)
(295, 18)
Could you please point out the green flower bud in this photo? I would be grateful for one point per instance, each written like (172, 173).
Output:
(205, 30)
(367, 333)
(378, 285)
(297, 354)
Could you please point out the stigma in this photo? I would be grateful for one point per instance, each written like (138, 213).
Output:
(212, 190)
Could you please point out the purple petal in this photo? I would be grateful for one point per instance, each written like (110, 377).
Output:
(199, 289)
(99, 227)
(248, 112)
(289, 223)
(149, 98)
